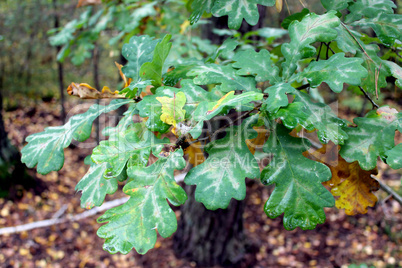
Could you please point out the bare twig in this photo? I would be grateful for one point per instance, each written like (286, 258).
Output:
(68, 218)
(388, 189)
(364, 51)
(319, 52)
(375, 105)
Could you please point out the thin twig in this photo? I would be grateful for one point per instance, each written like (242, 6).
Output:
(377, 75)
(388, 189)
(364, 51)
(375, 105)
(319, 52)
(327, 44)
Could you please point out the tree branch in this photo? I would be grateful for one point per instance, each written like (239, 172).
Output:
(375, 105)
(388, 189)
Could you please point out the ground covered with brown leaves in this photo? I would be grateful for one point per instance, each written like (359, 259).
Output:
(373, 239)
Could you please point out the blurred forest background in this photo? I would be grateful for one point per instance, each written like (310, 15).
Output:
(36, 66)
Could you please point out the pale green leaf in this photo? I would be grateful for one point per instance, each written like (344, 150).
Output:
(258, 64)
(335, 71)
(225, 75)
(277, 97)
(95, 186)
(134, 224)
(373, 136)
(137, 51)
(369, 9)
(153, 70)
(45, 149)
(298, 191)
(133, 144)
(222, 176)
(238, 10)
(311, 29)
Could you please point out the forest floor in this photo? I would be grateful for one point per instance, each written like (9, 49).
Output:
(374, 238)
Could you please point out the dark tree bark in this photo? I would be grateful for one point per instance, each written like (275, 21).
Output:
(60, 69)
(210, 237)
(95, 59)
(12, 171)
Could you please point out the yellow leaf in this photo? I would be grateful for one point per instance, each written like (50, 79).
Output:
(259, 141)
(184, 26)
(195, 153)
(172, 108)
(349, 181)
(279, 5)
(220, 101)
(85, 91)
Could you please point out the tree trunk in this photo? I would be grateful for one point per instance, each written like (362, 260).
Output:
(95, 58)
(213, 237)
(60, 67)
(210, 237)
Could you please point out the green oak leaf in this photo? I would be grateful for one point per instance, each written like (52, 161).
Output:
(95, 186)
(206, 110)
(368, 9)
(137, 51)
(311, 29)
(124, 123)
(225, 75)
(133, 224)
(372, 65)
(135, 88)
(258, 64)
(228, 46)
(296, 16)
(277, 97)
(239, 10)
(387, 27)
(45, 149)
(394, 157)
(134, 145)
(335, 4)
(172, 108)
(335, 71)
(298, 191)
(345, 40)
(173, 77)
(373, 137)
(150, 107)
(311, 115)
(222, 176)
(153, 70)
(396, 72)
(199, 7)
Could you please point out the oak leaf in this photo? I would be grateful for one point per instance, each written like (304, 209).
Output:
(350, 182)
(85, 91)
(82, 3)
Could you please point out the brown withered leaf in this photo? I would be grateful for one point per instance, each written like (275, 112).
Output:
(126, 81)
(85, 91)
(353, 185)
(82, 3)
(258, 141)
